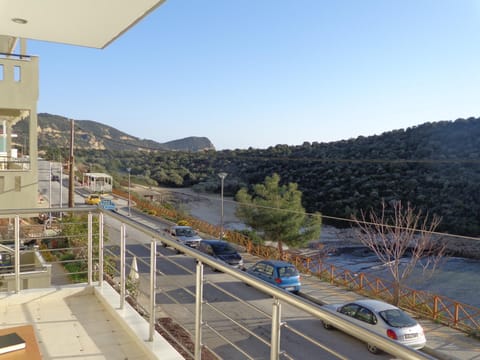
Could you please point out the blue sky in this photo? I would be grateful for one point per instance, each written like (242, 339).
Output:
(257, 73)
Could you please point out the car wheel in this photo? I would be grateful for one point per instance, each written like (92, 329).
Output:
(327, 325)
(373, 349)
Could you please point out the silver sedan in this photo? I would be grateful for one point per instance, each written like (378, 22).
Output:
(382, 318)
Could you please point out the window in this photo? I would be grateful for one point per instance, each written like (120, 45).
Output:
(17, 73)
(287, 271)
(349, 309)
(18, 183)
(366, 315)
(260, 268)
(269, 270)
(397, 318)
(210, 250)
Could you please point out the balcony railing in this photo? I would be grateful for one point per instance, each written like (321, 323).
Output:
(81, 245)
(440, 309)
(14, 164)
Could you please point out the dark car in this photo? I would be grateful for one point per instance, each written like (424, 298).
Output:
(221, 250)
(279, 273)
(55, 178)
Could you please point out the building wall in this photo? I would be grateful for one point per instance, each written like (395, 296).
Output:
(18, 98)
(35, 273)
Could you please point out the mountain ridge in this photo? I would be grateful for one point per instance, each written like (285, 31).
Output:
(54, 130)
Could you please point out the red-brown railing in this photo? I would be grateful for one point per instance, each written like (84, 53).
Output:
(438, 308)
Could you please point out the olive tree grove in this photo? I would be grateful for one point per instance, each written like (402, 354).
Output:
(403, 239)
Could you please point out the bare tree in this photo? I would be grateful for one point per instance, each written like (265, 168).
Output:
(402, 241)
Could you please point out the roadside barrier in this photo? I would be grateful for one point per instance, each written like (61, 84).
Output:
(438, 308)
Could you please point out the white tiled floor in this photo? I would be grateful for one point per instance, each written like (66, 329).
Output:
(70, 322)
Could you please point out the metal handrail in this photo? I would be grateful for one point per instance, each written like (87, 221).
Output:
(280, 296)
(470, 322)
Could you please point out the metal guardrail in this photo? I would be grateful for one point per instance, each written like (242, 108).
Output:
(434, 307)
(96, 260)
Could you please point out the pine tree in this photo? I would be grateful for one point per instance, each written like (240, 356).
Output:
(276, 211)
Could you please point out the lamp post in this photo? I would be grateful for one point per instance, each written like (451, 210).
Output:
(222, 176)
(50, 190)
(61, 187)
(129, 169)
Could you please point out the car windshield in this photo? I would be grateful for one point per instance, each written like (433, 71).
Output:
(397, 318)
(223, 248)
(287, 271)
(185, 232)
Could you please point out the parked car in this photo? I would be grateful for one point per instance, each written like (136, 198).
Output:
(221, 250)
(185, 235)
(55, 178)
(107, 204)
(279, 273)
(93, 199)
(382, 318)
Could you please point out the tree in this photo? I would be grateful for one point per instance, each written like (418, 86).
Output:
(276, 211)
(402, 240)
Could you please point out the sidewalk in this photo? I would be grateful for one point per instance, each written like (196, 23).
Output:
(443, 342)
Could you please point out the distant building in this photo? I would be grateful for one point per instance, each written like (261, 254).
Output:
(97, 182)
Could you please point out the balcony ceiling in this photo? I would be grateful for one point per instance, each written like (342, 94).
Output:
(90, 23)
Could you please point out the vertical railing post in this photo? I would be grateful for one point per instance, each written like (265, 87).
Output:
(17, 253)
(362, 279)
(198, 310)
(435, 307)
(455, 314)
(275, 341)
(90, 248)
(153, 282)
(122, 265)
(100, 249)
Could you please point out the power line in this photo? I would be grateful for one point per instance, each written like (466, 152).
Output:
(322, 216)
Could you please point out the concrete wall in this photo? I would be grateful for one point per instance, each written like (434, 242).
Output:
(35, 273)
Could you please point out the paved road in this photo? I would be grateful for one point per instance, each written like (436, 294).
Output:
(177, 300)
(223, 311)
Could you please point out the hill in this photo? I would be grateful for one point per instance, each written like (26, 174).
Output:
(54, 132)
(434, 166)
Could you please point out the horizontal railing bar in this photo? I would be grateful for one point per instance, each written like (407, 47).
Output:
(387, 345)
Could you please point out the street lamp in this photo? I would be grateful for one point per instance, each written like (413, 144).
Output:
(222, 176)
(50, 190)
(129, 169)
(61, 187)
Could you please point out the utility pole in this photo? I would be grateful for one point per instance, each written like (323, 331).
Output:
(222, 176)
(71, 180)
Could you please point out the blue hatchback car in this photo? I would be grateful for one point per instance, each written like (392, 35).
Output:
(278, 273)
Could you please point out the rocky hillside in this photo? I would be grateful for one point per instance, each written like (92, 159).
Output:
(54, 132)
